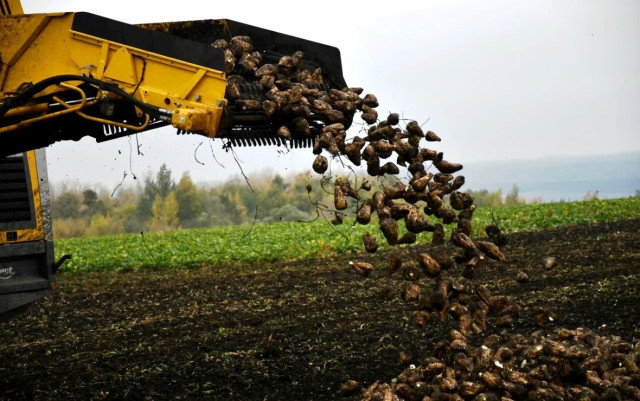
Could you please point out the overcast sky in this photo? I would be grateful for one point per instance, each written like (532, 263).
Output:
(494, 79)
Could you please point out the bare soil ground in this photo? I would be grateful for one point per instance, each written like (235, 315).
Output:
(291, 331)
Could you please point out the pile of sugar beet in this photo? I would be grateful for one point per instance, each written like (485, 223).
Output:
(562, 364)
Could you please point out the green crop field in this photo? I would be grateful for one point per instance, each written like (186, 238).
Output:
(290, 241)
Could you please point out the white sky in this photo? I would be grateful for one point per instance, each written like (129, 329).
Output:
(495, 79)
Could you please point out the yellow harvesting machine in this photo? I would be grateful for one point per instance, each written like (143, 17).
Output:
(64, 76)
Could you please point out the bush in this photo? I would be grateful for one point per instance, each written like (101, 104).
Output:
(103, 225)
(68, 228)
(285, 213)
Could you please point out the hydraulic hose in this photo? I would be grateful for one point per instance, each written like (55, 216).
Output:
(34, 89)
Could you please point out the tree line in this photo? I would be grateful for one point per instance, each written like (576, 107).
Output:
(159, 203)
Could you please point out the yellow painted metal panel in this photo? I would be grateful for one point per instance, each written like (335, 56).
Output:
(36, 233)
(122, 68)
(11, 7)
(38, 53)
(45, 46)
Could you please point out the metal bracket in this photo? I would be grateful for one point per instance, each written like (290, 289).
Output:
(60, 261)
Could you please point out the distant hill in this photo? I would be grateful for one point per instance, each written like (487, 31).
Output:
(559, 178)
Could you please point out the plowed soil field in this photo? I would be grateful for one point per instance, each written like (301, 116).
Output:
(293, 330)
